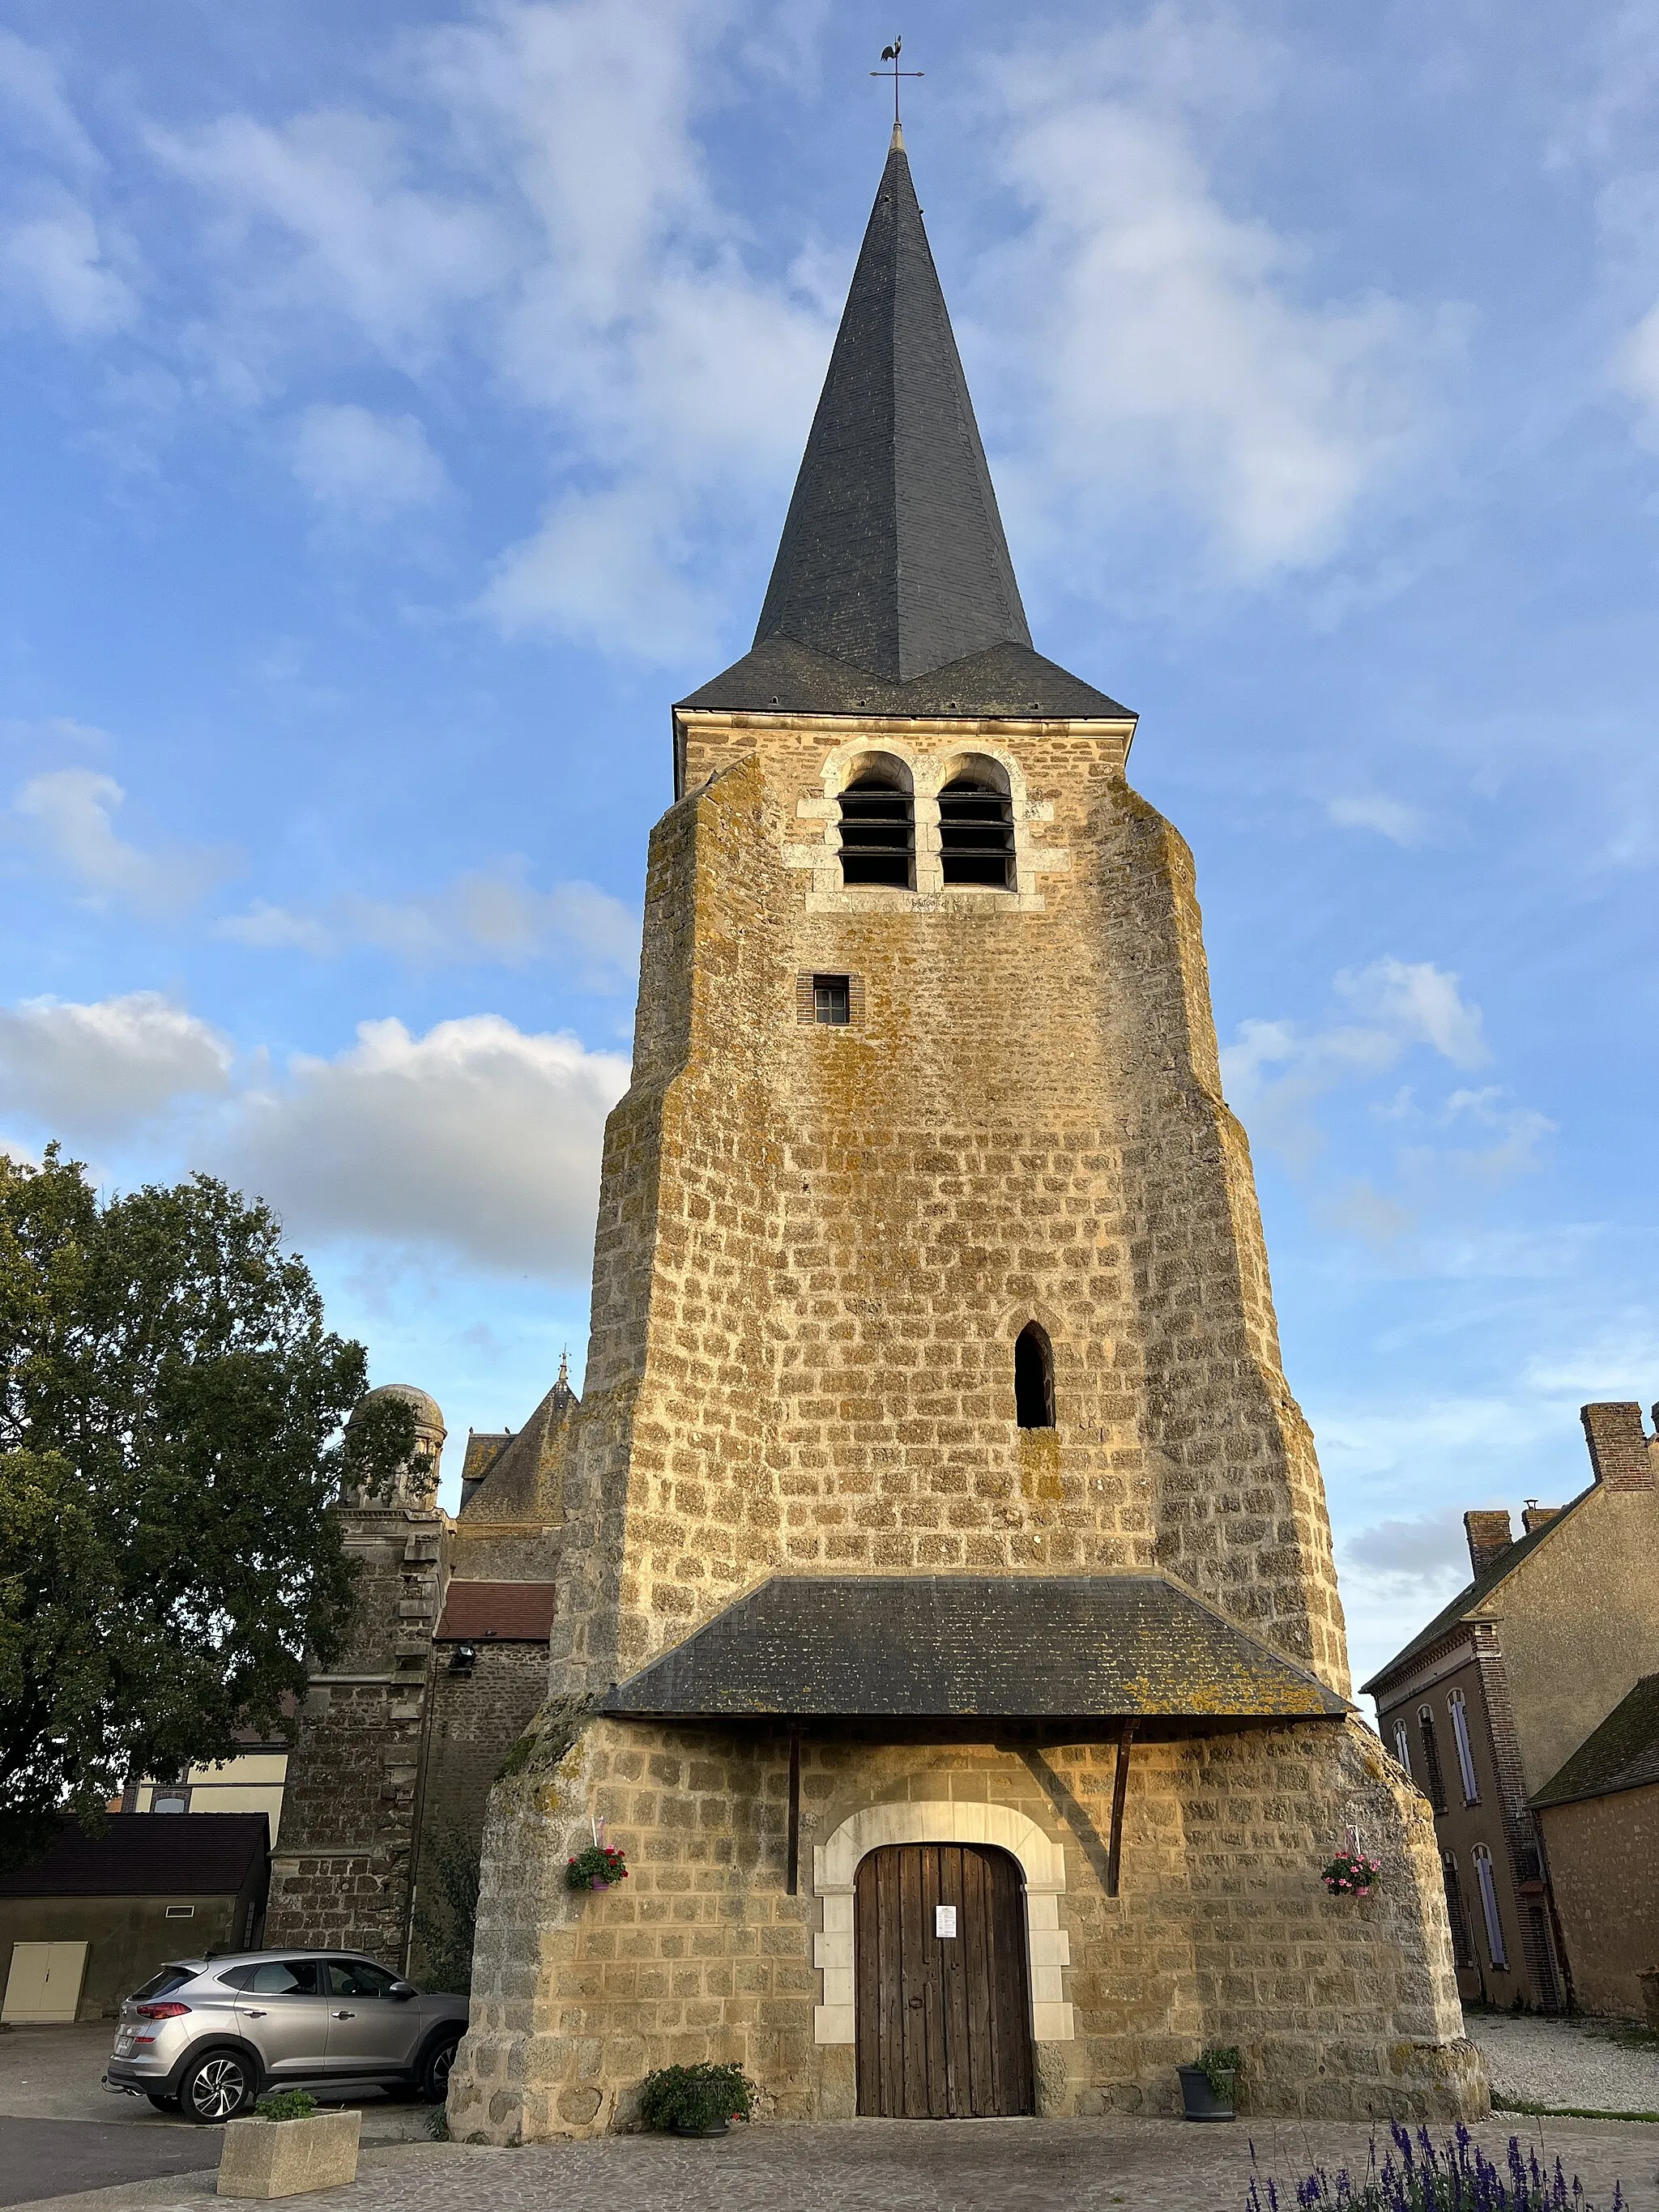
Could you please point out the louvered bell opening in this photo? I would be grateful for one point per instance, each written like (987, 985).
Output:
(878, 834)
(976, 834)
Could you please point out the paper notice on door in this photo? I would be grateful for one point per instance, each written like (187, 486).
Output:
(945, 1920)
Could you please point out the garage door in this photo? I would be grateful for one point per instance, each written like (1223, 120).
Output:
(45, 1981)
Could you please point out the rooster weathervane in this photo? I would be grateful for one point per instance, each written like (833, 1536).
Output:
(891, 54)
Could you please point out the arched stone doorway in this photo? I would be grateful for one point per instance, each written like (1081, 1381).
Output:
(942, 2002)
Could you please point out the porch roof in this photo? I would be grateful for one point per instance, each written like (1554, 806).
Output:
(1012, 1647)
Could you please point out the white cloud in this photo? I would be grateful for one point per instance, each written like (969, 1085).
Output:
(274, 929)
(69, 813)
(108, 1065)
(32, 88)
(57, 263)
(1417, 1003)
(1273, 1072)
(1427, 1552)
(362, 468)
(319, 215)
(1390, 817)
(1164, 343)
(476, 1139)
(611, 295)
(487, 914)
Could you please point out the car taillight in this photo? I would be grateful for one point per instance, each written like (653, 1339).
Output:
(161, 2011)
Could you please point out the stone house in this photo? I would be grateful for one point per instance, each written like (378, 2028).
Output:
(1491, 1702)
(1599, 1818)
(946, 1627)
(445, 1665)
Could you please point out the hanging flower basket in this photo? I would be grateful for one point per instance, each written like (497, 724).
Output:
(596, 1867)
(1351, 1873)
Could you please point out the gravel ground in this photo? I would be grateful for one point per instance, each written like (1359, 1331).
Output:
(904, 2166)
(1565, 2063)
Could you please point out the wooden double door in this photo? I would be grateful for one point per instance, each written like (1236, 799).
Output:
(943, 2009)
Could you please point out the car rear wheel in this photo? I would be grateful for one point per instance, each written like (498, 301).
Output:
(434, 2068)
(216, 2087)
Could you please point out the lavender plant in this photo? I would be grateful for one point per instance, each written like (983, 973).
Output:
(1416, 2176)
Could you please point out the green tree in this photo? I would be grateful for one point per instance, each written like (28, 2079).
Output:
(171, 1411)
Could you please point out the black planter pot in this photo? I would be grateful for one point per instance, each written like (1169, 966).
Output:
(720, 2128)
(1198, 2101)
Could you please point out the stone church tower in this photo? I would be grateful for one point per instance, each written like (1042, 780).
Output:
(946, 1626)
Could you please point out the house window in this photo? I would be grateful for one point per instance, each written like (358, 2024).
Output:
(1034, 1378)
(831, 1002)
(1402, 1745)
(1459, 1721)
(877, 826)
(1434, 1782)
(977, 828)
(1462, 1944)
(170, 1798)
(1483, 1874)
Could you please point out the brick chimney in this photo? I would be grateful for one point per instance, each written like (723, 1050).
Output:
(1618, 1446)
(1489, 1536)
(1535, 1515)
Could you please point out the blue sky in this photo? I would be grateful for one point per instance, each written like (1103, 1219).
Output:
(399, 406)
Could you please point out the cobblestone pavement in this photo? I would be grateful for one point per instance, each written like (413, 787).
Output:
(976, 2165)
(1565, 2062)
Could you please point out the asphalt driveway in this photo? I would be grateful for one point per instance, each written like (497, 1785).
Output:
(55, 2157)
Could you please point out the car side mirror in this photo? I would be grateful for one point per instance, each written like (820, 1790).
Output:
(402, 1990)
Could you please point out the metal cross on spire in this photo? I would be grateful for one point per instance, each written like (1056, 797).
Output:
(891, 54)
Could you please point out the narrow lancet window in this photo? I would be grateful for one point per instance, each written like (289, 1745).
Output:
(878, 829)
(1034, 1378)
(976, 831)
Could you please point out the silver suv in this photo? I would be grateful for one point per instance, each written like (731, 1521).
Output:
(206, 2037)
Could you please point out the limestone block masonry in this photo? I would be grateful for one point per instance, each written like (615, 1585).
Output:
(926, 1096)
(816, 1246)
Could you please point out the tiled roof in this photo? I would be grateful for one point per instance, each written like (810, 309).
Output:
(147, 1855)
(893, 567)
(1475, 1594)
(939, 1645)
(1622, 1754)
(497, 1613)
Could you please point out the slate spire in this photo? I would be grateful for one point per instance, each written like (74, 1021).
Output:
(893, 558)
(892, 591)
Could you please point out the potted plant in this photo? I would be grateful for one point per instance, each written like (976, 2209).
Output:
(596, 1866)
(1351, 1874)
(695, 2100)
(1206, 2086)
(306, 2150)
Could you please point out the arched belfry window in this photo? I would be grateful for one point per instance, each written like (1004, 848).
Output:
(976, 827)
(877, 826)
(1034, 1378)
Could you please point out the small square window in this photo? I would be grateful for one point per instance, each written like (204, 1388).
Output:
(832, 1000)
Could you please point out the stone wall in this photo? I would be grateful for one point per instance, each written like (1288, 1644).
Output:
(1222, 1932)
(341, 1873)
(475, 1720)
(816, 1248)
(1601, 1854)
(817, 1245)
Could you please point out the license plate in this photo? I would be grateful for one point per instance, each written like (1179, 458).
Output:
(126, 2044)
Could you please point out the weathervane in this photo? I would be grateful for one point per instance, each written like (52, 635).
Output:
(891, 54)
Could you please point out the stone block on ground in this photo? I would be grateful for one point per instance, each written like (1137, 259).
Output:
(288, 2158)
